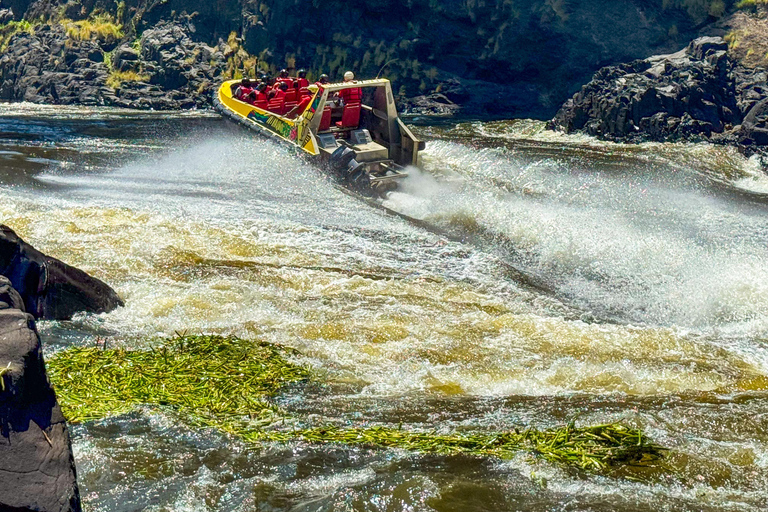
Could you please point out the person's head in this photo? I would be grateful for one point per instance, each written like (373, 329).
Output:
(349, 76)
(283, 86)
(261, 87)
(302, 73)
(323, 79)
(245, 82)
(283, 73)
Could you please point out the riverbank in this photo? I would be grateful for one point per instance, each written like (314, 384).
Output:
(501, 59)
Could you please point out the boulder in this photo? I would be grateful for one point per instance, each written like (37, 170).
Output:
(754, 128)
(688, 95)
(37, 469)
(51, 289)
(6, 16)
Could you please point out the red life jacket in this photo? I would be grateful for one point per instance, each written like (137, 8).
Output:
(351, 96)
(242, 92)
(303, 82)
(261, 100)
(304, 103)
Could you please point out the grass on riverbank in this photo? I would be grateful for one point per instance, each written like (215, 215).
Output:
(118, 78)
(101, 27)
(225, 383)
(10, 29)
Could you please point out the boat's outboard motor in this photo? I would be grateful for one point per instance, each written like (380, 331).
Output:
(342, 162)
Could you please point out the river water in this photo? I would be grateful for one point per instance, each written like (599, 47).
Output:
(538, 278)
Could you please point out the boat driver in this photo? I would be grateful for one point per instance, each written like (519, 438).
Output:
(353, 95)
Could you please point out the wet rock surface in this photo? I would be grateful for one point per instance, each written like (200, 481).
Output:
(698, 93)
(49, 288)
(37, 469)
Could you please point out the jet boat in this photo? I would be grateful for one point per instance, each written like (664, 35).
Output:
(362, 141)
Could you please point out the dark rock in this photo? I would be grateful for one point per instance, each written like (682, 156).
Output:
(51, 289)
(754, 128)
(37, 469)
(435, 104)
(704, 46)
(6, 16)
(688, 95)
(9, 297)
(123, 55)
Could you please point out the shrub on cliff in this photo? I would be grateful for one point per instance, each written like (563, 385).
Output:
(101, 27)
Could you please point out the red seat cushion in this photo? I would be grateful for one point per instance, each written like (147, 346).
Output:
(325, 121)
(277, 106)
(351, 116)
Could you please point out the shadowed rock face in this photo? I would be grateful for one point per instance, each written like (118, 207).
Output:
(698, 93)
(37, 469)
(49, 288)
(511, 57)
(666, 97)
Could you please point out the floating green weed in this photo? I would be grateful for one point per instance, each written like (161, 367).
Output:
(210, 377)
(225, 383)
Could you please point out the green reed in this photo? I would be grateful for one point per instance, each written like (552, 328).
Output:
(225, 383)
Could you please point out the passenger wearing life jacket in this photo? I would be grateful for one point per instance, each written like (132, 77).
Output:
(284, 78)
(244, 89)
(277, 102)
(302, 79)
(322, 80)
(261, 96)
(303, 104)
(353, 95)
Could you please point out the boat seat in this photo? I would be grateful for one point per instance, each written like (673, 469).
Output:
(277, 106)
(290, 96)
(351, 116)
(325, 121)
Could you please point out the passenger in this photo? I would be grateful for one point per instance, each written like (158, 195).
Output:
(262, 101)
(303, 104)
(244, 89)
(277, 103)
(284, 78)
(351, 96)
(322, 80)
(303, 82)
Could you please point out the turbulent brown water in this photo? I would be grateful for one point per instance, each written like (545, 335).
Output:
(544, 278)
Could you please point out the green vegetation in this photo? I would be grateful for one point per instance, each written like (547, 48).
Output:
(101, 27)
(117, 78)
(698, 9)
(748, 38)
(10, 29)
(209, 377)
(750, 4)
(225, 383)
(240, 63)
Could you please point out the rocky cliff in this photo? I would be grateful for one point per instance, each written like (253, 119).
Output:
(498, 57)
(709, 90)
(37, 469)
